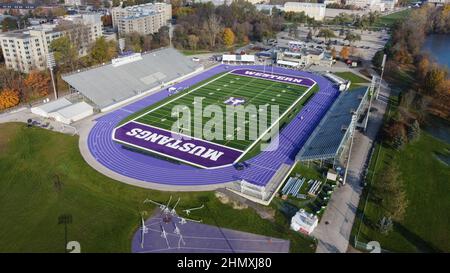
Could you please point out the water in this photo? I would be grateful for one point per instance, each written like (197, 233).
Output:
(438, 45)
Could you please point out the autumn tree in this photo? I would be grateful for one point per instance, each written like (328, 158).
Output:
(228, 37)
(345, 53)
(193, 41)
(434, 80)
(9, 98)
(37, 84)
(103, 51)
(333, 53)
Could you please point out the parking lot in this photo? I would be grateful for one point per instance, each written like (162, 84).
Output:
(371, 41)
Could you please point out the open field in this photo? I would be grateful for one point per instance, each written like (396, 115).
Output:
(42, 176)
(391, 19)
(426, 225)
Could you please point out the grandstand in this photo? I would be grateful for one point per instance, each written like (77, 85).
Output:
(331, 136)
(129, 77)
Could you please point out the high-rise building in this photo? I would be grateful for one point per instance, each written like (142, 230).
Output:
(143, 19)
(27, 49)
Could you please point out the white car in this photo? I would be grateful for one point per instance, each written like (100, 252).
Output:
(196, 59)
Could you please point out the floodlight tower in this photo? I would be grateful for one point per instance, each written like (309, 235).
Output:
(51, 63)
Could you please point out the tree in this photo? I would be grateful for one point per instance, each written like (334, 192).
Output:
(377, 59)
(345, 53)
(390, 191)
(37, 83)
(352, 37)
(212, 27)
(9, 98)
(103, 51)
(65, 52)
(326, 33)
(434, 79)
(309, 35)
(9, 24)
(147, 42)
(293, 30)
(228, 37)
(193, 41)
(333, 53)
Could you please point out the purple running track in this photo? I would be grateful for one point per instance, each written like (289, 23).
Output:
(261, 168)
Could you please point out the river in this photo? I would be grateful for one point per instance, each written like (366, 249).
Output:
(438, 45)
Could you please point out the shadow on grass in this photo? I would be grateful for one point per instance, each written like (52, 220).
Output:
(417, 241)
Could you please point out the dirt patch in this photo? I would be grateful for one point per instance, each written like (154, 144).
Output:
(224, 199)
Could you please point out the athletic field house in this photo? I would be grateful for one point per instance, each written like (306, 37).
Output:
(148, 131)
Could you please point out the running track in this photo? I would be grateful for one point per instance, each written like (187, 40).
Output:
(262, 167)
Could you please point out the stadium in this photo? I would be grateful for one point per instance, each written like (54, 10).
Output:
(137, 144)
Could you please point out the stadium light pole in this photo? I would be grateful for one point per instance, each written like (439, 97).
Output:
(352, 130)
(381, 76)
(51, 64)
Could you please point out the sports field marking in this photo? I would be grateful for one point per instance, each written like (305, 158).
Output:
(243, 146)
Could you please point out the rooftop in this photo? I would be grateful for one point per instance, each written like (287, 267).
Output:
(111, 83)
(326, 139)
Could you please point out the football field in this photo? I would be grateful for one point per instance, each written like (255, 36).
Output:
(186, 113)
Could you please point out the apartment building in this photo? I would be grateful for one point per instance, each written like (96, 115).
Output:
(144, 19)
(27, 49)
(315, 10)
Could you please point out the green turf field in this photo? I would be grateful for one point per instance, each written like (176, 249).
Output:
(257, 92)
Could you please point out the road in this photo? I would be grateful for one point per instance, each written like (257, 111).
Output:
(334, 229)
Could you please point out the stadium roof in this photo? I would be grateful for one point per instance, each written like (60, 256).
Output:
(107, 85)
(326, 139)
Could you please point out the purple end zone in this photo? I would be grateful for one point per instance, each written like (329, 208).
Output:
(194, 151)
(298, 80)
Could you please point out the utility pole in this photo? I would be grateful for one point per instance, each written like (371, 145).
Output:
(51, 64)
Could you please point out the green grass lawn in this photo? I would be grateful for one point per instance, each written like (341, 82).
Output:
(105, 212)
(356, 80)
(188, 52)
(389, 20)
(309, 172)
(426, 227)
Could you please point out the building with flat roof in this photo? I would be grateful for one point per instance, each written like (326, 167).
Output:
(143, 19)
(27, 49)
(315, 10)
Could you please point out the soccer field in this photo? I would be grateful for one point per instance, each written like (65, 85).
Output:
(245, 88)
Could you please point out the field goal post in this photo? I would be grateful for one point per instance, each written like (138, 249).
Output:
(253, 190)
